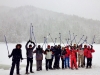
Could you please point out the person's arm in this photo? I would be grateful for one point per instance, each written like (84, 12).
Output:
(34, 51)
(33, 44)
(27, 44)
(11, 54)
(93, 50)
(21, 55)
(45, 52)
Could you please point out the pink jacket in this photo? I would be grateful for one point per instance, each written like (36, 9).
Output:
(80, 52)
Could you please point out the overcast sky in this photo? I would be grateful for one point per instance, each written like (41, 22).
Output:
(83, 8)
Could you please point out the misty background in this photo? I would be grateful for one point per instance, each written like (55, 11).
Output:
(15, 24)
(80, 17)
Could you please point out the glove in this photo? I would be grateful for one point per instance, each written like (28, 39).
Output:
(29, 40)
(9, 56)
(21, 58)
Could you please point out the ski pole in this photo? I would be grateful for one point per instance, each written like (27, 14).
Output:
(51, 38)
(6, 44)
(85, 40)
(66, 41)
(33, 35)
(44, 42)
(62, 41)
(80, 39)
(31, 32)
(93, 40)
(69, 35)
(55, 41)
(60, 38)
(75, 38)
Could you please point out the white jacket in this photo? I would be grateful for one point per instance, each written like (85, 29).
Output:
(48, 54)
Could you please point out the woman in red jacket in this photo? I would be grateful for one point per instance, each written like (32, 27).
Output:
(67, 61)
(89, 56)
(85, 54)
(73, 58)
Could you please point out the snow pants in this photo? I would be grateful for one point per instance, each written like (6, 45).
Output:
(17, 63)
(39, 65)
(80, 60)
(73, 63)
(63, 61)
(89, 62)
(48, 64)
(29, 62)
(56, 63)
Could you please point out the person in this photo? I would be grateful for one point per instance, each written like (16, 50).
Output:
(16, 57)
(29, 54)
(48, 52)
(39, 57)
(67, 59)
(85, 54)
(80, 56)
(73, 58)
(63, 52)
(57, 54)
(52, 49)
(89, 56)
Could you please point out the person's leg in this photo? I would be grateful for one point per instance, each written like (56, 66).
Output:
(90, 62)
(87, 62)
(71, 63)
(58, 63)
(17, 66)
(27, 65)
(40, 61)
(82, 59)
(37, 64)
(55, 63)
(47, 61)
(31, 65)
(68, 61)
(62, 63)
(12, 67)
(79, 60)
(50, 63)
(75, 63)
(65, 62)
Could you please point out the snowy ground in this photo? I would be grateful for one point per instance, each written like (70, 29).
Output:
(5, 63)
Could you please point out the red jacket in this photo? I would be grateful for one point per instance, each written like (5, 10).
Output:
(89, 53)
(67, 52)
(73, 53)
(85, 52)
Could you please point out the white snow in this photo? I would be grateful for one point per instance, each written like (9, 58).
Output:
(5, 63)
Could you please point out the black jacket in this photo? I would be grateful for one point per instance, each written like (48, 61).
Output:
(29, 51)
(16, 54)
(57, 51)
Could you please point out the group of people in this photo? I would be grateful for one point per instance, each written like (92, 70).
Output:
(72, 57)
